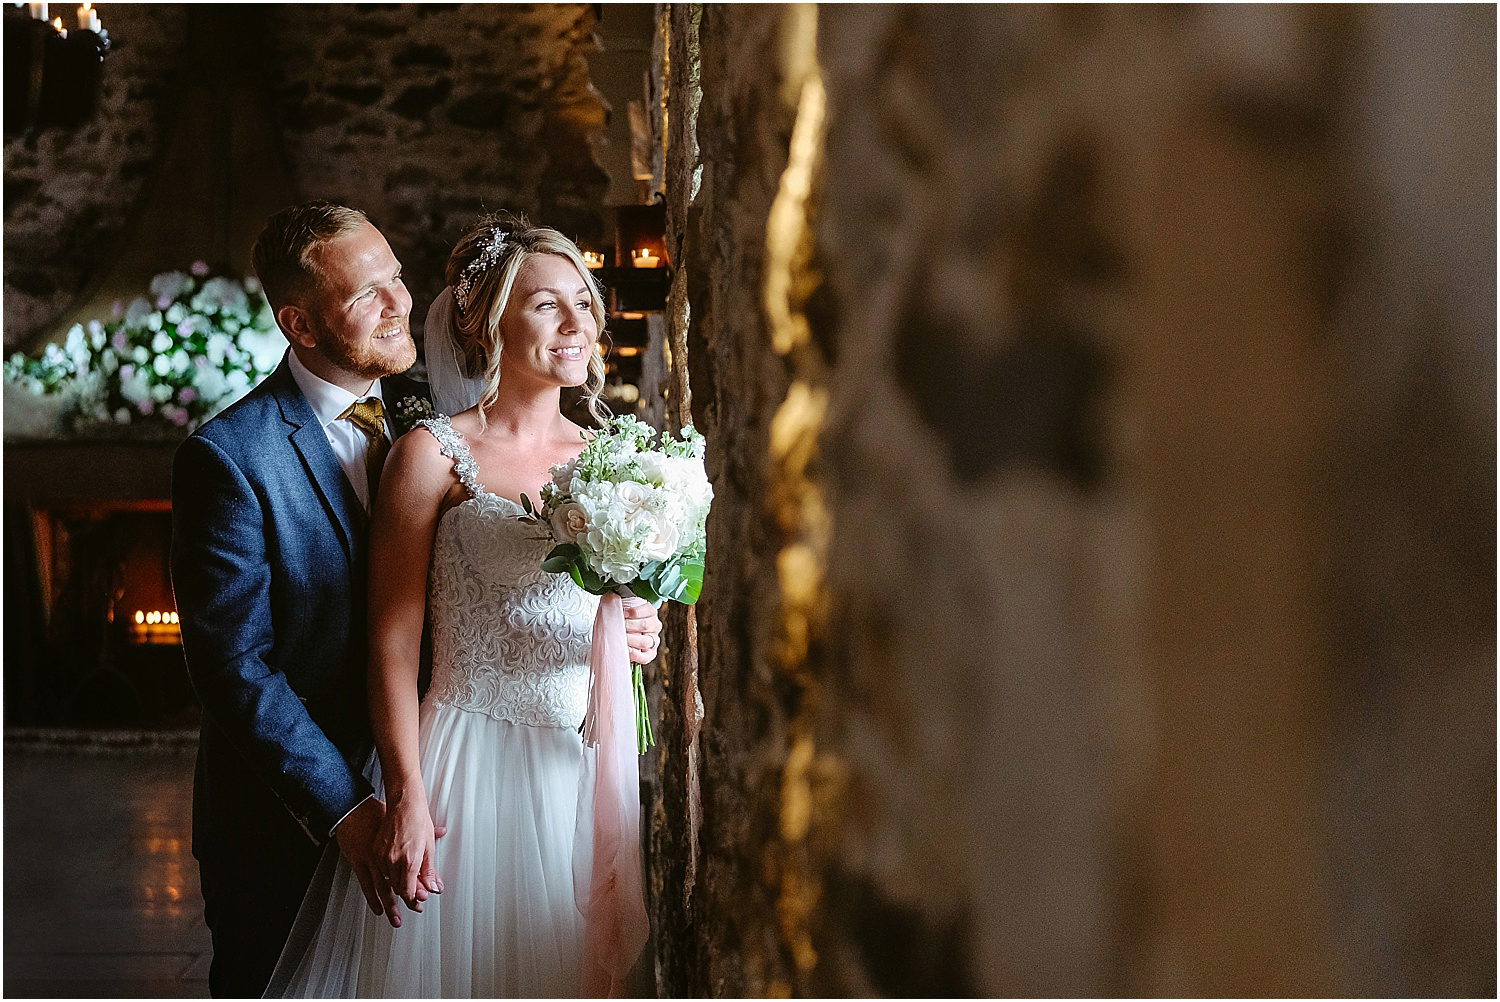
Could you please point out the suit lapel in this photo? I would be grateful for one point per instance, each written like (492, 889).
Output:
(323, 468)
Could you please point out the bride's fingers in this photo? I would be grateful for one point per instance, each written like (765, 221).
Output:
(428, 878)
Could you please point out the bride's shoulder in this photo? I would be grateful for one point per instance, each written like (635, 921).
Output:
(421, 450)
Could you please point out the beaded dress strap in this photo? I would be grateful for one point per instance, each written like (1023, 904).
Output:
(453, 446)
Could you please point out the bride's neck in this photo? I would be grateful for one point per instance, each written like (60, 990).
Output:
(525, 413)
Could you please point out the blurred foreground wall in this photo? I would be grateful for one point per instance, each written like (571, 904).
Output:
(1101, 406)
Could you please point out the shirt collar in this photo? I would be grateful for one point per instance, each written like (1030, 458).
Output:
(327, 400)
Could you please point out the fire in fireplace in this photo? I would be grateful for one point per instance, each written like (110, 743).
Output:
(92, 637)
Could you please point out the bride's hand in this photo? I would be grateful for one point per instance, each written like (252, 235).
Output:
(404, 847)
(642, 629)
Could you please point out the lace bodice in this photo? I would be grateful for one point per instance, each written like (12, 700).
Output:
(508, 638)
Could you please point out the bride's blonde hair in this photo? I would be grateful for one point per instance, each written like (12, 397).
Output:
(482, 270)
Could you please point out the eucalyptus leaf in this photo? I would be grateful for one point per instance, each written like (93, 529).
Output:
(669, 582)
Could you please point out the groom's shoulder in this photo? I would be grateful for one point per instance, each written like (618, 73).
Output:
(244, 424)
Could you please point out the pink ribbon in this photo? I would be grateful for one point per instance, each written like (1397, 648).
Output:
(612, 899)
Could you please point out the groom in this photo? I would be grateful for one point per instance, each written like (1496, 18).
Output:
(270, 509)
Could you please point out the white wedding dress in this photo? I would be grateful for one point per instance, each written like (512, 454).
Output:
(501, 760)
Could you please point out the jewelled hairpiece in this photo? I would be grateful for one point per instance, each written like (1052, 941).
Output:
(483, 261)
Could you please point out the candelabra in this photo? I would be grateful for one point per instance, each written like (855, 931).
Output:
(53, 74)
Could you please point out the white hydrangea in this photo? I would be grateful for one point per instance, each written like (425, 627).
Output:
(171, 284)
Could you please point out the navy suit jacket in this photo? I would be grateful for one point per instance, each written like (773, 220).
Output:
(269, 575)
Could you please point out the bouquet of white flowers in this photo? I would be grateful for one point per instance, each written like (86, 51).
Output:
(630, 514)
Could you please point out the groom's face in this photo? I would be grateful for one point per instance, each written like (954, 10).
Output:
(359, 315)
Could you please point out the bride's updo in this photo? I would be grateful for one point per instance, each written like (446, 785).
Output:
(481, 271)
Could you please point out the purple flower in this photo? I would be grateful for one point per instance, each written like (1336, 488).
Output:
(120, 341)
(145, 407)
(179, 416)
(127, 371)
(162, 302)
(118, 307)
(186, 395)
(199, 268)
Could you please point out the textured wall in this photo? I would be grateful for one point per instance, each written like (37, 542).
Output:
(69, 195)
(423, 115)
(426, 115)
(1152, 647)
(721, 940)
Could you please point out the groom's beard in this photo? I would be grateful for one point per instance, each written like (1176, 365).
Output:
(388, 351)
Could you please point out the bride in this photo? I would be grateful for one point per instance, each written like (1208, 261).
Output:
(482, 832)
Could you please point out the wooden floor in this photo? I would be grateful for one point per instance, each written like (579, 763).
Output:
(101, 889)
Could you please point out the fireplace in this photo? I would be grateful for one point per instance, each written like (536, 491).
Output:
(91, 634)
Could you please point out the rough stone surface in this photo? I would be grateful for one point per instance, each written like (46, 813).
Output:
(69, 194)
(715, 902)
(427, 115)
(1159, 653)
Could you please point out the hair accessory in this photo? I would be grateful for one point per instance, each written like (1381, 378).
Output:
(483, 261)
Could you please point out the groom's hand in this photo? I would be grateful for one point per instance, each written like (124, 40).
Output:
(642, 629)
(356, 838)
(404, 847)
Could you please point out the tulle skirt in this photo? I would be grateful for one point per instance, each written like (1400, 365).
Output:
(506, 924)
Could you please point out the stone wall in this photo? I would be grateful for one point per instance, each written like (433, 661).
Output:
(69, 195)
(1143, 368)
(427, 115)
(423, 115)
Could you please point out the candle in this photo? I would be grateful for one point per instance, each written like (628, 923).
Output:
(643, 258)
(88, 18)
(593, 259)
(57, 24)
(37, 11)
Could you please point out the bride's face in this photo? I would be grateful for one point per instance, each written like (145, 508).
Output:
(548, 328)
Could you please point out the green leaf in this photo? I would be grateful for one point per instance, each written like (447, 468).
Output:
(585, 578)
(642, 588)
(692, 587)
(526, 504)
(562, 556)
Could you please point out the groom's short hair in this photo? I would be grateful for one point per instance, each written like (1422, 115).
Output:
(282, 255)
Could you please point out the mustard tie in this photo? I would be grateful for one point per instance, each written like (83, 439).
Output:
(368, 415)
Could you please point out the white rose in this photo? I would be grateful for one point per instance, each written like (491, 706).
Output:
(661, 539)
(569, 522)
(654, 467)
(631, 494)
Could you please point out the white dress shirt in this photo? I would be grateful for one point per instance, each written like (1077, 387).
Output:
(349, 443)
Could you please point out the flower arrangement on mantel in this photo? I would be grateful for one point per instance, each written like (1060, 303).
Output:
(159, 368)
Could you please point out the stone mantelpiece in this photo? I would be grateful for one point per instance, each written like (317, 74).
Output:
(51, 472)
